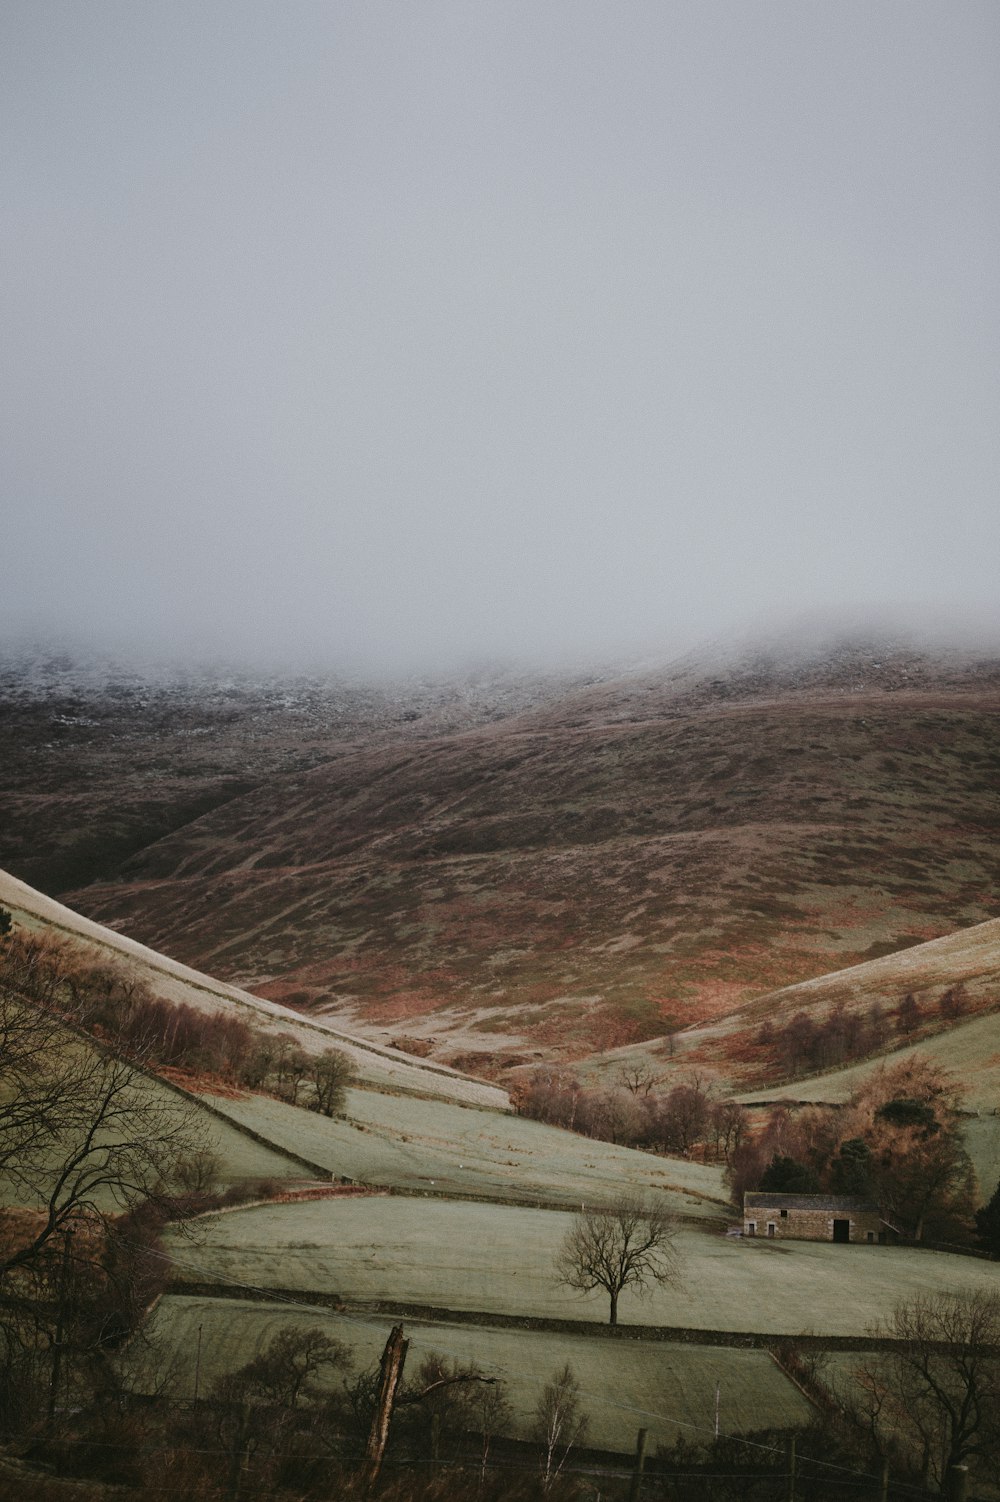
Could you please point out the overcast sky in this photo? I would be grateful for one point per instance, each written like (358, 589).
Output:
(405, 332)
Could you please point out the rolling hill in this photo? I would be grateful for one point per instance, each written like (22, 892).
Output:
(458, 1213)
(603, 866)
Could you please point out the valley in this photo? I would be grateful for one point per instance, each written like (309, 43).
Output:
(650, 879)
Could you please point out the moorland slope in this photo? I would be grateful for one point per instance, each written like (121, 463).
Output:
(610, 865)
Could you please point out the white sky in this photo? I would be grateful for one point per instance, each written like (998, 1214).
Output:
(401, 332)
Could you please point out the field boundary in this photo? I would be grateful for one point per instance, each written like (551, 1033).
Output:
(321, 1170)
(562, 1207)
(433, 1314)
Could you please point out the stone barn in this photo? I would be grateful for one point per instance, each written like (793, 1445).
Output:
(813, 1217)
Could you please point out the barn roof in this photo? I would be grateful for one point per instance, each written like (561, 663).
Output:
(763, 1200)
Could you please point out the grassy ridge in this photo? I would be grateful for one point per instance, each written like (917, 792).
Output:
(178, 983)
(970, 1050)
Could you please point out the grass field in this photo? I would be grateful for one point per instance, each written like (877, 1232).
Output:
(969, 1050)
(240, 1157)
(982, 1141)
(669, 1389)
(437, 1145)
(500, 1259)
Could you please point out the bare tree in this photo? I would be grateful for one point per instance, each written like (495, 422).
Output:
(257, 1408)
(939, 1385)
(291, 1066)
(627, 1244)
(492, 1414)
(560, 1422)
(729, 1122)
(331, 1072)
(637, 1079)
(82, 1132)
(198, 1171)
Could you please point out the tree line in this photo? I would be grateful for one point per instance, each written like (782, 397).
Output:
(687, 1120)
(806, 1044)
(116, 1006)
(897, 1141)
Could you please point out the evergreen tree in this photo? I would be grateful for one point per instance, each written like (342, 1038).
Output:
(988, 1225)
(851, 1169)
(784, 1176)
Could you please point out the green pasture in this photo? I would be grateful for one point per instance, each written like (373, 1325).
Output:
(969, 1050)
(982, 1141)
(240, 1157)
(446, 1148)
(500, 1259)
(626, 1385)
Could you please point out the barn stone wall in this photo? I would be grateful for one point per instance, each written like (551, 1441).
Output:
(810, 1225)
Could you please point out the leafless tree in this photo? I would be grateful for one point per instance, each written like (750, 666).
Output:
(560, 1423)
(939, 1386)
(637, 1079)
(331, 1072)
(258, 1407)
(626, 1244)
(729, 1122)
(491, 1415)
(82, 1132)
(198, 1171)
(292, 1066)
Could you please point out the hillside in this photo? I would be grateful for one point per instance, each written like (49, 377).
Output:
(609, 865)
(455, 1223)
(381, 1067)
(964, 966)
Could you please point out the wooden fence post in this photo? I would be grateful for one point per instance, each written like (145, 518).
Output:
(640, 1462)
(790, 1493)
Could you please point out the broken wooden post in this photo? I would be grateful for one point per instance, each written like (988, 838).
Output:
(640, 1461)
(390, 1376)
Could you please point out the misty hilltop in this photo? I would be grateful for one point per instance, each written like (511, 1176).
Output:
(509, 871)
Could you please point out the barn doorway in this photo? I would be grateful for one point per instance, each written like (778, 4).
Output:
(842, 1230)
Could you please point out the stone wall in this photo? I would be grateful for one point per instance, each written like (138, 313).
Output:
(811, 1225)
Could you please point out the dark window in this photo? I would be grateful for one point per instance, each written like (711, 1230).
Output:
(784, 1214)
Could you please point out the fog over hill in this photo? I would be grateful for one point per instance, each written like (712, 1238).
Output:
(520, 866)
(400, 335)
